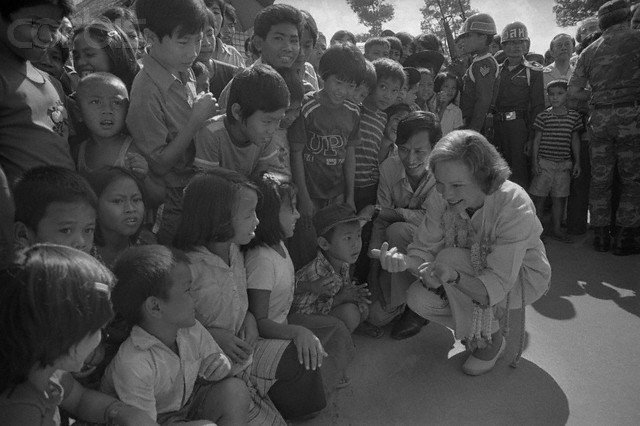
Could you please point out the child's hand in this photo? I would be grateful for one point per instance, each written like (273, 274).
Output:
(390, 259)
(249, 330)
(434, 274)
(310, 350)
(205, 106)
(234, 347)
(215, 367)
(354, 293)
(321, 285)
(137, 164)
(577, 170)
(535, 167)
(367, 212)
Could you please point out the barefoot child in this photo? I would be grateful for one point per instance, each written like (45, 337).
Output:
(53, 303)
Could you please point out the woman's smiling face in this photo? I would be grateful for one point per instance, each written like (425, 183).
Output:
(458, 186)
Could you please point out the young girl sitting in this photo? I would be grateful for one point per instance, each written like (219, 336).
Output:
(103, 102)
(103, 47)
(53, 303)
(271, 282)
(120, 211)
(447, 87)
(219, 216)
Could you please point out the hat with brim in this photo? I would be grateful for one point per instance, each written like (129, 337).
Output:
(426, 59)
(333, 215)
(413, 76)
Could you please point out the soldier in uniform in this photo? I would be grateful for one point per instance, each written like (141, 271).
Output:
(611, 67)
(478, 81)
(519, 97)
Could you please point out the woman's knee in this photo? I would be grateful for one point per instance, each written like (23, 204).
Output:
(227, 402)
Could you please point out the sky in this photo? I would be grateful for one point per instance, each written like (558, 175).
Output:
(537, 15)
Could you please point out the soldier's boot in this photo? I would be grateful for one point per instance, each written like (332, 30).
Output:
(601, 238)
(625, 242)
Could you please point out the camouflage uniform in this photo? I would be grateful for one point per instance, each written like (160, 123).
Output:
(611, 66)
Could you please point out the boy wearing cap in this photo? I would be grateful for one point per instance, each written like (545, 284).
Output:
(324, 285)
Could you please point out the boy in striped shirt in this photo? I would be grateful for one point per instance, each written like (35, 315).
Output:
(556, 155)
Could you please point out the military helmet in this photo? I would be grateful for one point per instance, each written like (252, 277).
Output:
(515, 31)
(479, 23)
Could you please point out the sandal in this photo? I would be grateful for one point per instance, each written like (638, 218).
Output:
(368, 329)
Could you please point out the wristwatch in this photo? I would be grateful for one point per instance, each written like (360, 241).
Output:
(376, 212)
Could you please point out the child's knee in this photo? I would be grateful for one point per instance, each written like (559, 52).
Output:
(349, 314)
(228, 399)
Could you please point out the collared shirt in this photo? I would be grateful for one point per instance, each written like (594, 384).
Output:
(216, 148)
(477, 92)
(219, 290)
(268, 270)
(508, 226)
(451, 119)
(520, 89)
(34, 120)
(26, 405)
(311, 303)
(611, 65)
(147, 374)
(160, 108)
(310, 76)
(551, 73)
(228, 54)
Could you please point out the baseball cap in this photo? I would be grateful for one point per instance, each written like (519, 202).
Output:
(333, 215)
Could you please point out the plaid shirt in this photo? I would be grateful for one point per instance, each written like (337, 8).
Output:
(311, 303)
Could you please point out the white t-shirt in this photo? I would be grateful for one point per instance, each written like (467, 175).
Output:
(268, 270)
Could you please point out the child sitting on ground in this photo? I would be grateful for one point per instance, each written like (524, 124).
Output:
(447, 87)
(54, 301)
(170, 367)
(54, 205)
(376, 48)
(555, 156)
(339, 244)
(240, 140)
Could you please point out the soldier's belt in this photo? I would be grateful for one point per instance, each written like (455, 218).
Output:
(629, 104)
(510, 115)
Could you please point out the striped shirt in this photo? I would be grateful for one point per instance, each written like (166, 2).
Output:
(556, 131)
(372, 124)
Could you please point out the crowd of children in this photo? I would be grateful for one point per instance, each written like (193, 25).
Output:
(266, 179)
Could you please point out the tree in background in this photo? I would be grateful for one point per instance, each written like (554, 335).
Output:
(570, 12)
(372, 13)
(454, 11)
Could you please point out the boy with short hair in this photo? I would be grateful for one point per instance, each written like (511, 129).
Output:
(366, 86)
(54, 205)
(376, 48)
(165, 111)
(395, 48)
(170, 367)
(240, 140)
(277, 31)
(555, 144)
(323, 165)
(339, 243)
(34, 120)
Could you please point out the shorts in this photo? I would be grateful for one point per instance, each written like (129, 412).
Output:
(192, 409)
(554, 178)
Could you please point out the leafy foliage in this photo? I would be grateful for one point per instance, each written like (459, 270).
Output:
(372, 13)
(570, 12)
(453, 11)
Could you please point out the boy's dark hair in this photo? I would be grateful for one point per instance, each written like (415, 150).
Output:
(115, 43)
(557, 36)
(166, 17)
(219, 3)
(370, 78)
(51, 298)
(143, 272)
(294, 84)
(41, 186)
(274, 189)
(62, 43)
(250, 47)
(257, 88)
(431, 42)
(405, 38)
(208, 206)
(418, 121)
(274, 15)
(343, 60)
(229, 13)
(389, 69)
(557, 83)
(308, 23)
(394, 43)
(340, 34)
(119, 14)
(440, 79)
(8, 7)
(396, 108)
(375, 41)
